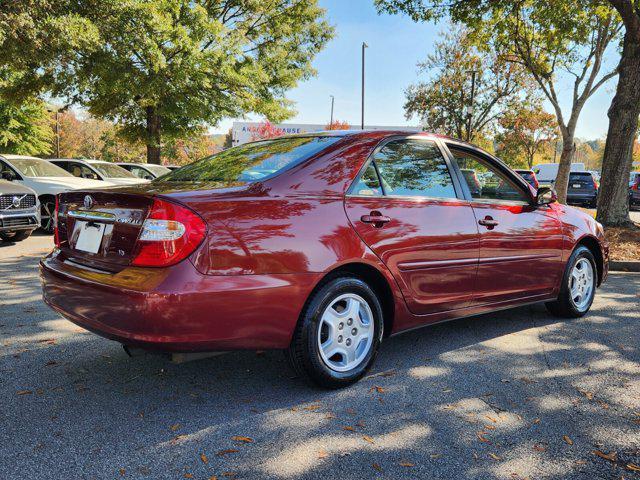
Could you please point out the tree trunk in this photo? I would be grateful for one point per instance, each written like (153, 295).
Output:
(613, 206)
(564, 167)
(153, 136)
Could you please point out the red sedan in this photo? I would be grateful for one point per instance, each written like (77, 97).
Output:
(321, 245)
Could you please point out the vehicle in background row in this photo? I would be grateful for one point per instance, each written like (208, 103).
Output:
(546, 173)
(634, 190)
(19, 211)
(97, 170)
(530, 177)
(319, 244)
(582, 189)
(146, 171)
(46, 179)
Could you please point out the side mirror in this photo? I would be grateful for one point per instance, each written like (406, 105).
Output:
(546, 195)
(8, 175)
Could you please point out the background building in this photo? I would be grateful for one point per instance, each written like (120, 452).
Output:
(243, 132)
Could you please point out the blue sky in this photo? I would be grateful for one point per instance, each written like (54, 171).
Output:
(396, 45)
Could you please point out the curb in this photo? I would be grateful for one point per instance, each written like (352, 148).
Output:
(624, 266)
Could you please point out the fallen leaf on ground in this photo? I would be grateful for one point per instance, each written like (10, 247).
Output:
(188, 475)
(489, 427)
(567, 440)
(536, 421)
(633, 467)
(607, 456)
(227, 451)
(204, 458)
(491, 418)
(589, 395)
(238, 438)
(581, 462)
(24, 392)
(481, 437)
(367, 438)
(312, 407)
(377, 467)
(323, 454)
(349, 429)
(495, 457)
(122, 472)
(377, 389)
(213, 477)
(539, 448)
(175, 427)
(229, 474)
(435, 455)
(407, 464)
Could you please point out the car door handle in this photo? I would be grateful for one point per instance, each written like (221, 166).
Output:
(376, 218)
(488, 222)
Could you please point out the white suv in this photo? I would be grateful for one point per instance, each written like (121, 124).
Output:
(46, 179)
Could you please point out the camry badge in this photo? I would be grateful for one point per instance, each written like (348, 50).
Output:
(88, 202)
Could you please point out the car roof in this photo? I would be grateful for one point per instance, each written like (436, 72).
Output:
(11, 156)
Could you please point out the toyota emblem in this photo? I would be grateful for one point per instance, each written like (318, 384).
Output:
(16, 202)
(88, 201)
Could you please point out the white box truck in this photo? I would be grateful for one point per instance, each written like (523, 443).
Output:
(546, 173)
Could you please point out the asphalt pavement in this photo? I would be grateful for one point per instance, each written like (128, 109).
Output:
(511, 395)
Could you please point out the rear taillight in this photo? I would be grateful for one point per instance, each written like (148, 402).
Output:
(56, 232)
(169, 235)
(595, 184)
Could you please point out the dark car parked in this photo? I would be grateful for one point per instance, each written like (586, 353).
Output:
(319, 244)
(634, 191)
(582, 189)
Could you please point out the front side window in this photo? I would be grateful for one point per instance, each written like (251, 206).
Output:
(414, 168)
(251, 162)
(485, 181)
(109, 170)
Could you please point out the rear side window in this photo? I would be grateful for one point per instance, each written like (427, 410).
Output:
(368, 184)
(251, 162)
(414, 168)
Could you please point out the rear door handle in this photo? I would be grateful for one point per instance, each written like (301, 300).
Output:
(488, 222)
(376, 218)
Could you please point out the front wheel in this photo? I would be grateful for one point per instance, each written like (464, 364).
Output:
(47, 212)
(15, 236)
(578, 287)
(338, 334)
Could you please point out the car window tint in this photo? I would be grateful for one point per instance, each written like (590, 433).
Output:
(368, 184)
(485, 181)
(414, 168)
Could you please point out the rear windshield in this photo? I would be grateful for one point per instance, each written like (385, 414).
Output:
(580, 176)
(251, 162)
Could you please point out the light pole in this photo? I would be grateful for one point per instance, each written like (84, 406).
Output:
(470, 106)
(332, 100)
(57, 117)
(364, 45)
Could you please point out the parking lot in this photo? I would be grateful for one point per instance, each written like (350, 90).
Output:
(511, 395)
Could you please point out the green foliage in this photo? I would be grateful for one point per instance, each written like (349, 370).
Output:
(163, 69)
(25, 129)
(441, 102)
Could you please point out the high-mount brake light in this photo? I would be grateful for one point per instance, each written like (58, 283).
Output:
(169, 234)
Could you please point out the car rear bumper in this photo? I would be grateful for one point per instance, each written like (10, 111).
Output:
(177, 309)
(582, 198)
(634, 198)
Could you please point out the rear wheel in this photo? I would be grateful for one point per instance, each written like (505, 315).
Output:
(15, 236)
(578, 285)
(338, 335)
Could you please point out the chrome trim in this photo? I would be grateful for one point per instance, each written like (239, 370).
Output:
(93, 216)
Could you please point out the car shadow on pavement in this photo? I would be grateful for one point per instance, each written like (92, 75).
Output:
(492, 396)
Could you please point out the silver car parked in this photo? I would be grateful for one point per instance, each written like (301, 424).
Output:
(19, 211)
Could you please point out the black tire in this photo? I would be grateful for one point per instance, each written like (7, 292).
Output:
(565, 305)
(15, 236)
(47, 209)
(304, 352)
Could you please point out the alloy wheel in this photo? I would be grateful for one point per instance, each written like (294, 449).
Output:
(345, 332)
(581, 283)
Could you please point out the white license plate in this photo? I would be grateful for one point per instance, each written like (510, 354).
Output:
(89, 236)
(576, 185)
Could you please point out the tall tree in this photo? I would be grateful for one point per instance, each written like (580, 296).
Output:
(547, 38)
(468, 90)
(164, 69)
(524, 133)
(25, 128)
(613, 207)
